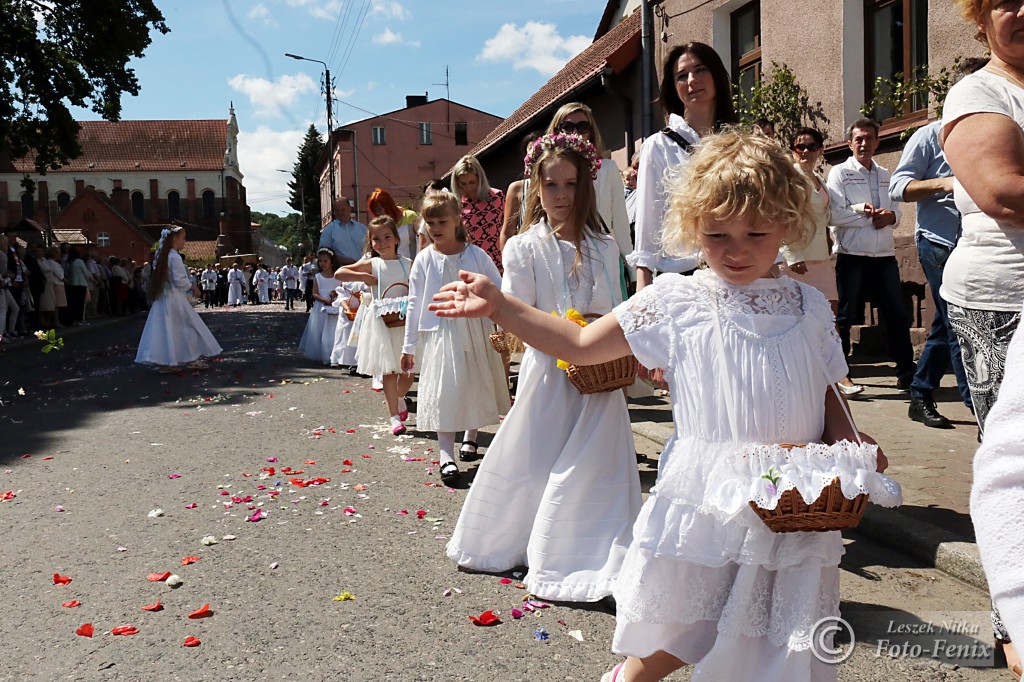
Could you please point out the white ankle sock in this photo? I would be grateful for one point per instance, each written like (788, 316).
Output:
(446, 446)
(470, 435)
(402, 407)
(395, 421)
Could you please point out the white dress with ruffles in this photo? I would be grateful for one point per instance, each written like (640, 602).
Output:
(379, 350)
(704, 579)
(317, 342)
(558, 490)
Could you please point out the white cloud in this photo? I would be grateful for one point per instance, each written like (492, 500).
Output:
(269, 97)
(321, 9)
(390, 38)
(260, 153)
(389, 9)
(536, 45)
(260, 12)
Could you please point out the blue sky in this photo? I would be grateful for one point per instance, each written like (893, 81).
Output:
(498, 54)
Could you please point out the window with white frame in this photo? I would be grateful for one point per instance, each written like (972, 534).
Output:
(103, 239)
(378, 135)
(425, 134)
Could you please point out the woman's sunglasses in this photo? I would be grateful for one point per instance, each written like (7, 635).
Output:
(813, 147)
(581, 128)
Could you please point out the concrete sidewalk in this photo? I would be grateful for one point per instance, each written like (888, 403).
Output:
(933, 465)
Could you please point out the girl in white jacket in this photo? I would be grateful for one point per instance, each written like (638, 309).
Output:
(462, 380)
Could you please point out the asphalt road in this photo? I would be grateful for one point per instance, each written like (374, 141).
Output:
(97, 444)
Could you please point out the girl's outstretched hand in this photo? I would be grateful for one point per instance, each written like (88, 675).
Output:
(474, 296)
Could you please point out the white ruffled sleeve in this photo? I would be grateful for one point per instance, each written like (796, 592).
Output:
(820, 311)
(647, 326)
(518, 280)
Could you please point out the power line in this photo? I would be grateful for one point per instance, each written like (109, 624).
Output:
(355, 37)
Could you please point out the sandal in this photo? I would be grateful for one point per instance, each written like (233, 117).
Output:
(468, 453)
(449, 472)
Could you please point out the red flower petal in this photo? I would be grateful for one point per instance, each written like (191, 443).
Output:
(309, 461)
(84, 630)
(47, 458)
(203, 611)
(350, 431)
(192, 641)
(486, 618)
(59, 579)
(71, 604)
(125, 630)
(506, 581)
(191, 506)
(366, 457)
(189, 560)
(420, 514)
(158, 577)
(9, 495)
(153, 607)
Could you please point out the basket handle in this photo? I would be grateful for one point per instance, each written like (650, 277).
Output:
(396, 284)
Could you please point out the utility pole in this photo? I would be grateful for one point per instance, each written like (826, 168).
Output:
(329, 91)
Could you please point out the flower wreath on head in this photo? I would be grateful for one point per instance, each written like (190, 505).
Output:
(553, 141)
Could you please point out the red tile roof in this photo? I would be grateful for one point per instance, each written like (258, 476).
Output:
(580, 70)
(200, 251)
(124, 146)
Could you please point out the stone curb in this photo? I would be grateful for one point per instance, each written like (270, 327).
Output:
(929, 543)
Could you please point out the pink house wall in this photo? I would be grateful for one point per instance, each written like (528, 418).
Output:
(402, 165)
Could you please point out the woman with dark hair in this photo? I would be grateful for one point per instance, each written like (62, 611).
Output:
(696, 95)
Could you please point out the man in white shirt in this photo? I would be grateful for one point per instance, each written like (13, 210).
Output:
(290, 277)
(209, 280)
(343, 235)
(863, 217)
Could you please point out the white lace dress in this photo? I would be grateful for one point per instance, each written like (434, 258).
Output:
(704, 579)
(558, 490)
(380, 347)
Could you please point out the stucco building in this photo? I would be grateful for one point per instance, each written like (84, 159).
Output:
(133, 178)
(400, 151)
(835, 48)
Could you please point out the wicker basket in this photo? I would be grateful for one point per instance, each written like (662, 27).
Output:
(394, 319)
(605, 377)
(506, 343)
(831, 511)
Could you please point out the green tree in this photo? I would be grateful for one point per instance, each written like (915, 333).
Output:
(304, 188)
(780, 98)
(897, 96)
(284, 231)
(59, 52)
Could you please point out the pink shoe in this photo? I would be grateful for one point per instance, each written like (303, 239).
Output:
(399, 430)
(404, 415)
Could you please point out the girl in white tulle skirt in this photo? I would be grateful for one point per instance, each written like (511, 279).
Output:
(751, 361)
(382, 325)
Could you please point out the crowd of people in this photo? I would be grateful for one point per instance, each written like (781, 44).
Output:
(51, 287)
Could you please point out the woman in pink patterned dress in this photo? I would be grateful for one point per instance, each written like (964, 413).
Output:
(483, 207)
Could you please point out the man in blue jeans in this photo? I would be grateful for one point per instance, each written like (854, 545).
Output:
(924, 176)
(863, 217)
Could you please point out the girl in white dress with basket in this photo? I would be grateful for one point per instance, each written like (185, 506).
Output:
(462, 379)
(317, 342)
(752, 363)
(559, 489)
(348, 302)
(174, 335)
(382, 325)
